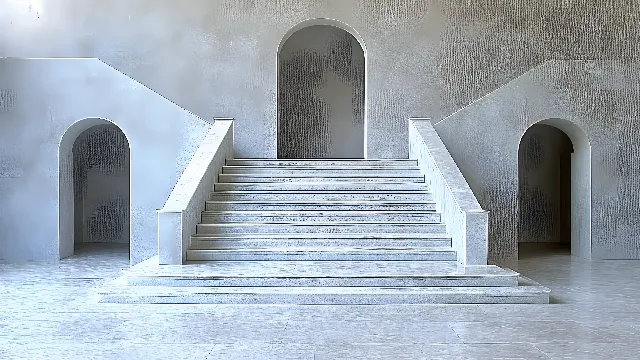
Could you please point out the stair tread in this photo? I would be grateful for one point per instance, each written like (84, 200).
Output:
(363, 236)
(313, 212)
(498, 291)
(355, 175)
(325, 202)
(319, 223)
(341, 249)
(324, 192)
(354, 166)
(310, 268)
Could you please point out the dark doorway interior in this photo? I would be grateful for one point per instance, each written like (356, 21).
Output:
(544, 190)
(321, 95)
(101, 189)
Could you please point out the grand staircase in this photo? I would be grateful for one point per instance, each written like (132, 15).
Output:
(321, 232)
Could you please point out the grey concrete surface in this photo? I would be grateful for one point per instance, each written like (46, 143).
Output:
(178, 217)
(466, 221)
(55, 100)
(605, 179)
(596, 315)
(220, 59)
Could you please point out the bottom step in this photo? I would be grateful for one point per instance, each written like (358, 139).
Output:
(528, 292)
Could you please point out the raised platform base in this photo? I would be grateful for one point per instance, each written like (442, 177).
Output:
(321, 282)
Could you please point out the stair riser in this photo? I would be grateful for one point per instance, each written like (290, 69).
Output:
(212, 255)
(212, 206)
(328, 216)
(319, 229)
(228, 178)
(337, 186)
(280, 243)
(330, 299)
(328, 281)
(321, 197)
(319, 172)
(333, 162)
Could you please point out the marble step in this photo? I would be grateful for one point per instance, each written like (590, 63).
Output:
(410, 195)
(321, 273)
(323, 253)
(319, 227)
(319, 170)
(269, 241)
(210, 217)
(365, 236)
(319, 206)
(321, 162)
(320, 186)
(324, 295)
(261, 178)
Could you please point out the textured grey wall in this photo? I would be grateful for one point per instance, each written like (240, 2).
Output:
(219, 58)
(424, 58)
(47, 104)
(101, 179)
(544, 185)
(602, 100)
(321, 89)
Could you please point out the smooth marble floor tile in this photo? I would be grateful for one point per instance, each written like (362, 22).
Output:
(430, 352)
(107, 351)
(262, 351)
(528, 331)
(587, 351)
(46, 312)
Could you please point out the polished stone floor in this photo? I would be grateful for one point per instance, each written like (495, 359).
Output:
(46, 312)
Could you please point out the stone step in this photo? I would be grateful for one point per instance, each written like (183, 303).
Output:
(320, 206)
(325, 295)
(321, 162)
(319, 228)
(323, 253)
(322, 273)
(201, 242)
(319, 186)
(319, 171)
(261, 178)
(410, 195)
(210, 217)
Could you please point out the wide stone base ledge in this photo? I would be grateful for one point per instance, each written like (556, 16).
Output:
(528, 294)
(321, 282)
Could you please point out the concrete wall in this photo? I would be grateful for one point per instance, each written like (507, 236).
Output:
(425, 58)
(219, 58)
(101, 178)
(321, 90)
(46, 105)
(544, 185)
(600, 103)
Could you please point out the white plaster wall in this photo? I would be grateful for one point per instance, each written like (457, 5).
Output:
(47, 97)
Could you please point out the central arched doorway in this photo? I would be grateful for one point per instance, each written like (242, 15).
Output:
(321, 92)
(554, 187)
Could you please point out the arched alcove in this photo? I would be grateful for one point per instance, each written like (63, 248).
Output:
(321, 102)
(94, 186)
(554, 186)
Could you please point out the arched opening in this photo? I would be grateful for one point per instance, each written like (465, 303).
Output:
(554, 188)
(321, 92)
(94, 188)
